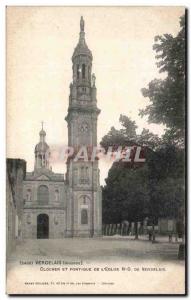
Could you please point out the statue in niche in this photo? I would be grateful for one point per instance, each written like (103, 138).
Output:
(93, 79)
(55, 220)
(28, 219)
(56, 195)
(82, 23)
(28, 195)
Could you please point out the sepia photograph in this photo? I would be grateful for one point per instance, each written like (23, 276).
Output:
(96, 150)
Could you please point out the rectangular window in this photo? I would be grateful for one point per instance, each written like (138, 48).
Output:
(78, 71)
(83, 71)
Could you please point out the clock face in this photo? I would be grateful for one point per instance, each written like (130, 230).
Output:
(84, 127)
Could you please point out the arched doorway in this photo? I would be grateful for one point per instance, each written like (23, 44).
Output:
(42, 226)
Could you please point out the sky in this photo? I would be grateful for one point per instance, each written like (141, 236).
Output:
(40, 44)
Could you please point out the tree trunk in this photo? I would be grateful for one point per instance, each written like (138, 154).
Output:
(181, 251)
(122, 229)
(153, 233)
(136, 231)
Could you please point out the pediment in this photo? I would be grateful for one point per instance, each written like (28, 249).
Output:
(43, 177)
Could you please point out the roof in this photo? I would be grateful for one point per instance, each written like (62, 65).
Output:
(82, 48)
(41, 147)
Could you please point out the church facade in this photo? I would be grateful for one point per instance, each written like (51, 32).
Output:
(58, 206)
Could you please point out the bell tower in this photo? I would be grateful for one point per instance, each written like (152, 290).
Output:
(84, 195)
(42, 153)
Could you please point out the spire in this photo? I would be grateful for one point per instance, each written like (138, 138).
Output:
(82, 24)
(82, 48)
(42, 133)
(82, 33)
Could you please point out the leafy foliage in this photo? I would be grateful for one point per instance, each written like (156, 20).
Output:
(125, 196)
(127, 136)
(166, 181)
(167, 96)
(154, 190)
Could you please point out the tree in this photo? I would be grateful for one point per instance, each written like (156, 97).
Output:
(166, 182)
(167, 106)
(156, 189)
(127, 136)
(125, 196)
(167, 96)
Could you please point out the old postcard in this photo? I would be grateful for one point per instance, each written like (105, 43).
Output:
(95, 179)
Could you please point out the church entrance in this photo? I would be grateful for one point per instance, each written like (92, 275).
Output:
(42, 226)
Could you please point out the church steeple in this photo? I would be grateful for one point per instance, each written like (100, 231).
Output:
(84, 204)
(82, 96)
(42, 152)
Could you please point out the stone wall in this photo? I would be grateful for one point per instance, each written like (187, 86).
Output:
(16, 169)
(10, 219)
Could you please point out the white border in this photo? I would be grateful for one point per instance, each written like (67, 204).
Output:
(3, 4)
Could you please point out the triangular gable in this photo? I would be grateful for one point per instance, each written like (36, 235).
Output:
(43, 177)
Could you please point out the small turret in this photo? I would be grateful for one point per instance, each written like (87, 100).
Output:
(42, 152)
